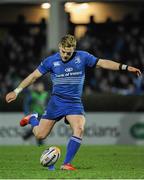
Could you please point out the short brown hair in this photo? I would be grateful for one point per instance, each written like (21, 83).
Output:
(68, 41)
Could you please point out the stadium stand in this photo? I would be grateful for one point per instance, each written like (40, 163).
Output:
(24, 43)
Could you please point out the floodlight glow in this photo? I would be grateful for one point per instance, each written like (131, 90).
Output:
(45, 5)
(84, 6)
(69, 5)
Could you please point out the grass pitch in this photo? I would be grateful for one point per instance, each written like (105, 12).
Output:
(22, 162)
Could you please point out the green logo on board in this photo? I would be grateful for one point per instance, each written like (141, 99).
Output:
(137, 130)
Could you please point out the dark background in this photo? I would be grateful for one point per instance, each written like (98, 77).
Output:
(23, 41)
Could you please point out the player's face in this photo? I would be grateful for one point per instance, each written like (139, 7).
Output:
(66, 52)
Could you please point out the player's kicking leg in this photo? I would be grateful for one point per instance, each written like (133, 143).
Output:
(40, 129)
(77, 123)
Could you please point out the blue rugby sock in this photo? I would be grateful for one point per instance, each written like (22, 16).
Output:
(33, 120)
(72, 148)
(51, 167)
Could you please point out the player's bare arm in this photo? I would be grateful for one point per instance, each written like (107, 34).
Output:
(11, 96)
(112, 65)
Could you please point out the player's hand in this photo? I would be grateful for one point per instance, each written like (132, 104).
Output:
(134, 70)
(11, 96)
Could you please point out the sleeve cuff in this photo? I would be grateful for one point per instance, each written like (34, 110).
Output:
(95, 63)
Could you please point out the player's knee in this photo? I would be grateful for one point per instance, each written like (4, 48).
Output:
(79, 130)
(40, 136)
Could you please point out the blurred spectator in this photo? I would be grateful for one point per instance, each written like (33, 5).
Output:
(122, 41)
(23, 44)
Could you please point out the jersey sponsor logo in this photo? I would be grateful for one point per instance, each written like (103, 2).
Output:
(57, 63)
(77, 60)
(69, 69)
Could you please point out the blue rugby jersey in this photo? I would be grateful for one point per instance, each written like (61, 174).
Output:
(68, 77)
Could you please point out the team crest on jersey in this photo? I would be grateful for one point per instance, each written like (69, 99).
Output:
(77, 60)
(57, 63)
